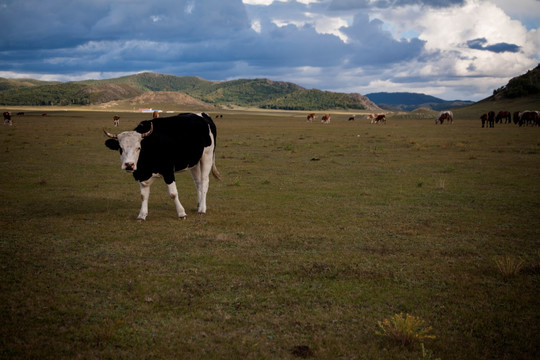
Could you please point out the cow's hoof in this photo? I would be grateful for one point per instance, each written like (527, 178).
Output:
(182, 217)
(201, 213)
(141, 220)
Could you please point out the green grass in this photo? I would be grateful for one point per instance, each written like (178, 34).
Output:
(315, 235)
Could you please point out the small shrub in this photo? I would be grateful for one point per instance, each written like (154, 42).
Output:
(404, 329)
(509, 265)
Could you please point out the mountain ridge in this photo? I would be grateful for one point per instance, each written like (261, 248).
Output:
(261, 93)
(407, 101)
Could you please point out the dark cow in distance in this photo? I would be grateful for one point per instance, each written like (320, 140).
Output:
(503, 115)
(484, 119)
(491, 118)
(116, 120)
(488, 119)
(163, 146)
(516, 117)
(310, 117)
(7, 118)
(528, 117)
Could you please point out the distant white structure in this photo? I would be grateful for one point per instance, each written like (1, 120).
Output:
(149, 110)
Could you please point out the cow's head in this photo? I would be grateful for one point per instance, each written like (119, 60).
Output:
(129, 144)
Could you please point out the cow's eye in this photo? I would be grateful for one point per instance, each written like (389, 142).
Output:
(138, 149)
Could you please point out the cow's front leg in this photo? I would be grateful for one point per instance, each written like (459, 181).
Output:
(145, 195)
(173, 193)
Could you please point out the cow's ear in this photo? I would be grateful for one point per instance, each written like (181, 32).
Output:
(112, 144)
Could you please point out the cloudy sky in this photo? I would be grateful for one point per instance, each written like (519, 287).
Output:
(452, 49)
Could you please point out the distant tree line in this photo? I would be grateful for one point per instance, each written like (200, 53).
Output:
(61, 95)
(313, 100)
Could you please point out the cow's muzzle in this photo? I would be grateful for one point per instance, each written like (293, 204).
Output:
(129, 166)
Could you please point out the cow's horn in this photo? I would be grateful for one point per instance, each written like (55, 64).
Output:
(149, 132)
(112, 136)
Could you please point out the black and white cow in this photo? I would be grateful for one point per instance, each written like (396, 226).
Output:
(163, 146)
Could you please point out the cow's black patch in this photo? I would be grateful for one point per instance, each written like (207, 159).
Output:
(176, 143)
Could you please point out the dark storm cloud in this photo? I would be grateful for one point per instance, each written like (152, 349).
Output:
(371, 45)
(54, 24)
(479, 44)
(109, 36)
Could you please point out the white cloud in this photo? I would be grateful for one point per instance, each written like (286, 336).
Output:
(256, 26)
(329, 25)
(449, 34)
(527, 11)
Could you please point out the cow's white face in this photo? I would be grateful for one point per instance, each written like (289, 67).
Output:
(130, 147)
(129, 144)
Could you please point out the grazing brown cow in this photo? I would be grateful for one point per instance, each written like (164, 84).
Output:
(380, 119)
(310, 117)
(484, 118)
(516, 117)
(352, 117)
(503, 115)
(529, 118)
(376, 118)
(325, 119)
(7, 118)
(116, 120)
(445, 115)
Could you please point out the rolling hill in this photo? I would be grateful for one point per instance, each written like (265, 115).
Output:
(405, 101)
(261, 93)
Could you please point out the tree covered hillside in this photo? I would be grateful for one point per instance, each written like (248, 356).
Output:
(524, 85)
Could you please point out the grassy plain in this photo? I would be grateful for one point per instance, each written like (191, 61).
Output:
(316, 234)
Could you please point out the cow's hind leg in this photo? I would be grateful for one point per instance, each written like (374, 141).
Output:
(201, 177)
(173, 193)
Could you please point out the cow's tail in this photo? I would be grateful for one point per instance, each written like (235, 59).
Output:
(215, 171)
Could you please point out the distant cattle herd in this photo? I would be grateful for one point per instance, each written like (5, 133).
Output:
(488, 119)
(521, 118)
